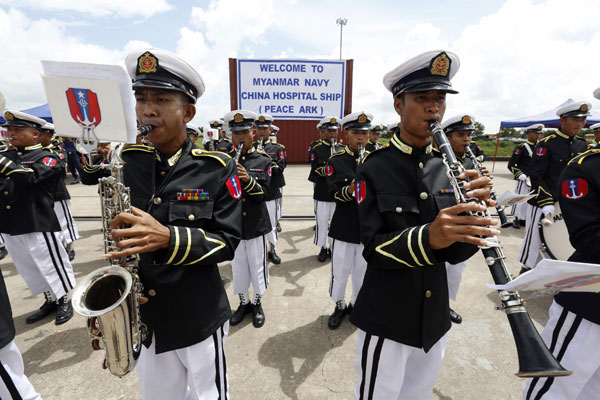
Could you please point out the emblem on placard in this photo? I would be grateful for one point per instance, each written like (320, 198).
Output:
(147, 63)
(237, 118)
(440, 65)
(466, 120)
(574, 189)
(84, 107)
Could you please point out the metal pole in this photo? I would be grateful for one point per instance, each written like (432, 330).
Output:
(341, 22)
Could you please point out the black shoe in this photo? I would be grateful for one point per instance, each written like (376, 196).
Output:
(322, 255)
(278, 227)
(314, 227)
(516, 223)
(455, 317)
(523, 270)
(49, 307)
(3, 252)
(64, 312)
(239, 314)
(335, 320)
(70, 251)
(522, 222)
(349, 309)
(75, 181)
(275, 259)
(258, 315)
(329, 253)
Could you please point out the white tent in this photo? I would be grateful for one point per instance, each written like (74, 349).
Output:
(548, 118)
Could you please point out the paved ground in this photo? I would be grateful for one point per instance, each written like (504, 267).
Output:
(294, 355)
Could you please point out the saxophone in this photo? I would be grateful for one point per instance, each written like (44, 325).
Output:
(109, 296)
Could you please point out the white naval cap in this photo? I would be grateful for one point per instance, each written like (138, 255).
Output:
(377, 128)
(359, 120)
(193, 129)
(595, 126)
(428, 71)
(597, 93)
(239, 120)
(393, 126)
(19, 118)
(329, 122)
(575, 109)
(460, 122)
(264, 120)
(216, 123)
(48, 127)
(535, 128)
(161, 69)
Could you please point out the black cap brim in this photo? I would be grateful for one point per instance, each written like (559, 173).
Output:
(155, 84)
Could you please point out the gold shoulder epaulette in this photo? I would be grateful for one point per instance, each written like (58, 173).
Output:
(138, 147)
(339, 152)
(384, 147)
(580, 157)
(547, 138)
(217, 155)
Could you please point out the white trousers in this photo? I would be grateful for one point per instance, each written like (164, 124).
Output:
(346, 259)
(42, 261)
(529, 254)
(519, 210)
(67, 223)
(454, 273)
(279, 202)
(388, 370)
(575, 342)
(272, 209)
(13, 382)
(249, 265)
(324, 212)
(197, 372)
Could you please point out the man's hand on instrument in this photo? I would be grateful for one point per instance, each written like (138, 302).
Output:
(548, 210)
(522, 177)
(242, 173)
(478, 186)
(145, 234)
(450, 227)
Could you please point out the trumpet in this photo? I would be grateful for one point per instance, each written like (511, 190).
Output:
(238, 153)
(535, 360)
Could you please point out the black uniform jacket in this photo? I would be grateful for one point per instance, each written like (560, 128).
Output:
(579, 198)
(310, 147)
(372, 146)
(550, 157)
(319, 156)
(211, 143)
(521, 159)
(466, 161)
(224, 145)
(187, 300)
(277, 154)
(340, 171)
(404, 296)
(478, 151)
(7, 326)
(28, 181)
(255, 217)
(61, 189)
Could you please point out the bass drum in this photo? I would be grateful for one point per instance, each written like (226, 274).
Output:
(555, 237)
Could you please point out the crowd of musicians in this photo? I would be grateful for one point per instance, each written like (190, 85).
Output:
(386, 216)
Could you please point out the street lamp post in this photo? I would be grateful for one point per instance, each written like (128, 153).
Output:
(341, 22)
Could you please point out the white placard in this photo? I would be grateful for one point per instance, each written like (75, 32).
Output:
(509, 198)
(292, 89)
(555, 275)
(90, 97)
(210, 134)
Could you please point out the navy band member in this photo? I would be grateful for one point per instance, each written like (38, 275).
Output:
(373, 143)
(520, 166)
(347, 258)
(13, 381)
(324, 203)
(29, 176)
(223, 143)
(550, 157)
(410, 226)
(596, 130)
(190, 223)
(277, 154)
(572, 332)
(193, 132)
(62, 198)
(249, 265)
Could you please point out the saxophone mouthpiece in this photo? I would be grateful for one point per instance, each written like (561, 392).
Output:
(143, 130)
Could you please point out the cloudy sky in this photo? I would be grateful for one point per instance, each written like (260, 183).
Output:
(518, 57)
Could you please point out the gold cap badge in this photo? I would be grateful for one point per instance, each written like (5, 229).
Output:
(332, 121)
(440, 65)
(237, 118)
(8, 116)
(147, 63)
(362, 118)
(377, 127)
(584, 108)
(466, 120)
(261, 118)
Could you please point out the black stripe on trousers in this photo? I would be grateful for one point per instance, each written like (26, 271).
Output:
(570, 334)
(332, 276)
(62, 281)
(374, 367)
(217, 369)
(265, 263)
(8, 382)
(532, 225)
(316, 240)
(224, 362)
(67, 214)
(62, 264)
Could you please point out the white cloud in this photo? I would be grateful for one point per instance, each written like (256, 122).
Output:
(96, 8)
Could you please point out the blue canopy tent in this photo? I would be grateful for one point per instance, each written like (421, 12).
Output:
(548, 118)
(42, 111)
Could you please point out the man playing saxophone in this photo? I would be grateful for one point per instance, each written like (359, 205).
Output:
(184, 220)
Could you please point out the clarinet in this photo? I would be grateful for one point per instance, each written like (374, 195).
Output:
(260, 144)
(535, 360)
(361, 153)
(238, 153)
(504, 222)
(332, 140)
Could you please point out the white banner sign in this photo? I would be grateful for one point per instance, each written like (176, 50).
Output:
(292, 89)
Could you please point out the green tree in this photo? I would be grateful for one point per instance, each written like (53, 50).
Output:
(510, 132)
(479, 129)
